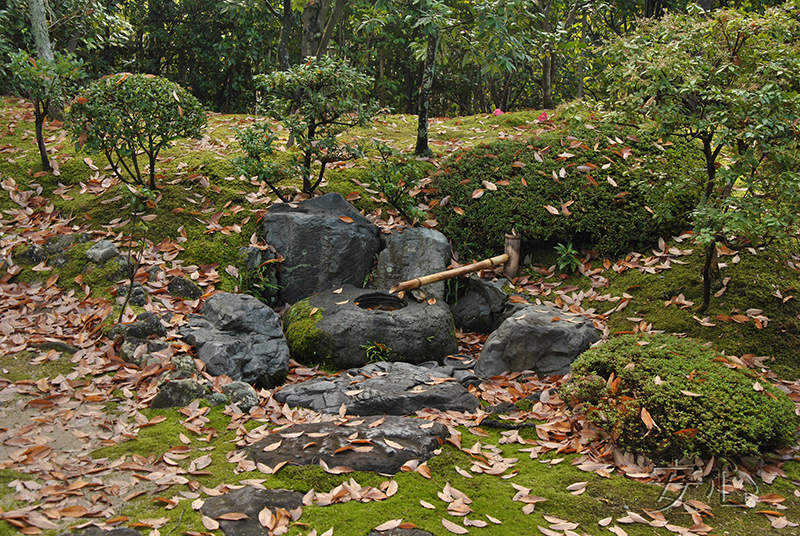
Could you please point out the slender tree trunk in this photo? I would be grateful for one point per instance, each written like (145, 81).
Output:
(579, 71)
(314, 14)
(547, 81)
(338, 9)
(39, 112)
(428, 73)
(39, 30)
(381, 77)
(409, 83)
(709, 268)
(286, 28)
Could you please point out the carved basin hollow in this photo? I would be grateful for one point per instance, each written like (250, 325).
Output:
(378, 301)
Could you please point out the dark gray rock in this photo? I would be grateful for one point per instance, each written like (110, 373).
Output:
(129, 346)
(481, 308)
(60, 243)
(97, 531)
(381, 389)
(320, 250)
(258, 275)
(32, 255)
(418, 444)
(216, 399)
(184, 367)
(347, 335)
(180, 287)
(240, 337)
(147, 325)
(249, 501)
(241, 395)
(102, 251)
(413, 252)
(531, 340)
(138, 294)
(177, 393)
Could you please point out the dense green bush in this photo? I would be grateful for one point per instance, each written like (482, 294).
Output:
(125, 115)
(700, 406)
(610, 191)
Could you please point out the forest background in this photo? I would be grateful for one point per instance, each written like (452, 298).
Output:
(489, 54)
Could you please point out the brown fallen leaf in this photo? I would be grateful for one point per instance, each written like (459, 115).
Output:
(209, 523)
(232, 516)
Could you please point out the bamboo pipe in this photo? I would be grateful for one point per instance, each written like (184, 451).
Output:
(448, 274)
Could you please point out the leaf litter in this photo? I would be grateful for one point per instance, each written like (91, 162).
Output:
(45, 320)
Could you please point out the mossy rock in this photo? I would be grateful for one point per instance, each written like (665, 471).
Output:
(306, 342)
(701, 403)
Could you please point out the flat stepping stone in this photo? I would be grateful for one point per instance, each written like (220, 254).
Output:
(381, 389)
(249, 501)
(379, 444)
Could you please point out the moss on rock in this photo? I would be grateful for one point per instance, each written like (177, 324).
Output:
(306, 342)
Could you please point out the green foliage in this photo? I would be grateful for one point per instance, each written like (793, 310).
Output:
(700, 406)
(610, 191)
(399, 179)
(316, 102)
(729, 80)
(126, 114)
(568, 260)
(46, 84)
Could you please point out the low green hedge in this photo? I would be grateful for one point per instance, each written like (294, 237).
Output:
(700, 406)
(613, 191)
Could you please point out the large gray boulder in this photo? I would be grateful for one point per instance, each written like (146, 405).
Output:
(481, 308)
(349, 327)
(381, 389)
(330, 442)
(240, 337)
(413, 252)
(325, 243)
(248, 501)
(539, 338)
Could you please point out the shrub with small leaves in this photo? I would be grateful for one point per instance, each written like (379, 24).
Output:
(598, 187)
(667, 397)
(399, 178)
(125, 115)
(46, 84)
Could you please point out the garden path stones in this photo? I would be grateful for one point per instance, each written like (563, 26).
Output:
(349, 327)
(249, 501)
(408, 439)
(381, 389)
(539, 338)
(325, 243)
(240, 337)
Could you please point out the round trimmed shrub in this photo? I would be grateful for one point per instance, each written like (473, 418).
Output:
(125, 116)
(611, 191)
(699, 404)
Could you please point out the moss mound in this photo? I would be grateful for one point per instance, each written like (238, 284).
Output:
(699, 404)
(600, 187)
(302, 336)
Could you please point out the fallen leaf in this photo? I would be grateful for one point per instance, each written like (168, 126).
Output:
(389, 525)
(452, 527)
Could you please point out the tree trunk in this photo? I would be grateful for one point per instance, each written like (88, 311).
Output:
(286, 28)
(422, 148)
(381, 80)
(710, 267)
(39, 112)
(547, 81)
(579, 71)
(39, 30)
(338, 9)
(314, 15)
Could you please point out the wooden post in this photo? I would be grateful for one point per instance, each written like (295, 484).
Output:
(512, 250)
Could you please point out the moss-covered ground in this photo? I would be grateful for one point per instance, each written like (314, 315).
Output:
(202, 200)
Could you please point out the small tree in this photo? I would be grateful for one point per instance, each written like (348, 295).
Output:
(316, 102)
(125, 114)
(728, 80)
(46, 83)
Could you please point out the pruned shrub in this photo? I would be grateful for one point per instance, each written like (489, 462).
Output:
(667, 397)
(127, 115)
(599, 188)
